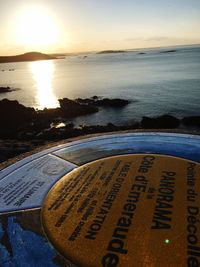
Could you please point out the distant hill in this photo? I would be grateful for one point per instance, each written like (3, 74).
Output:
(31, 56)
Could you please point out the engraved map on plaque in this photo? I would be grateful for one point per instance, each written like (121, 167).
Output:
(124, 209)
(109, 200)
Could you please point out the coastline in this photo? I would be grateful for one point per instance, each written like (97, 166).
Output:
(25, 130)
(162, 91)
(25, 123)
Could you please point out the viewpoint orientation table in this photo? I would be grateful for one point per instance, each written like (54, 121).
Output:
(111, 200)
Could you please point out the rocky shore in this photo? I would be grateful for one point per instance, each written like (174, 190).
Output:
(24, 128)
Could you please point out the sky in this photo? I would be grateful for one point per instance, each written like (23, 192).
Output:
(62, 26)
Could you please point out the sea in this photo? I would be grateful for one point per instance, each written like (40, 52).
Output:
(157, 81)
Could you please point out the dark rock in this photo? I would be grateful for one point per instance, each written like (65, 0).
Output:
(69, 126)
(59, 133)
(43, 118)
(162, 122)
(141, 53)
(85, 101)
(37, 142)
(13, 115)
(71, 108)
(22, 122)
(168, 51)
(116, 102)
(191, 121)
(26, 134)
(5, 89)
(107, 128)
(10, 150)
(105, 102)
(111, 51)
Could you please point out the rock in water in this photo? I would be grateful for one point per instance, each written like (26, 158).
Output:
(13, 114)
(71, 108)
(162, 122)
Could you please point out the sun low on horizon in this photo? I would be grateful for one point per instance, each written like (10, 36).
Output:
(62, 26)
(36, 29)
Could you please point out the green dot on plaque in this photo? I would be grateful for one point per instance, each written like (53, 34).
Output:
(167, 241)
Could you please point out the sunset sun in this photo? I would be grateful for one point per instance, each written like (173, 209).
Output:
(99, 133)
(36, 28)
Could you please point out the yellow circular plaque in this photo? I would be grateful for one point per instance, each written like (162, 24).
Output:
(130, 210)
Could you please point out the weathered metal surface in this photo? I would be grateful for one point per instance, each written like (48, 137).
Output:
(25, 184)
(127, 209)
(180, 145)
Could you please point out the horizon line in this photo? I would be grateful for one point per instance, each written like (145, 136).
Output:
(95, 51)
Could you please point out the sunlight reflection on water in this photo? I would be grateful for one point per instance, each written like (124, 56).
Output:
(43, 72)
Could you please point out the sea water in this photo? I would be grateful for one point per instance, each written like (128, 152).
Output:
(156, 81)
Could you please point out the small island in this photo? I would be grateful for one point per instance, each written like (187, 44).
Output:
(111, 51)
(168, 51)
(5, 89)
(30, 56)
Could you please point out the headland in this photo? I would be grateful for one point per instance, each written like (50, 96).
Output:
(30, 56)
